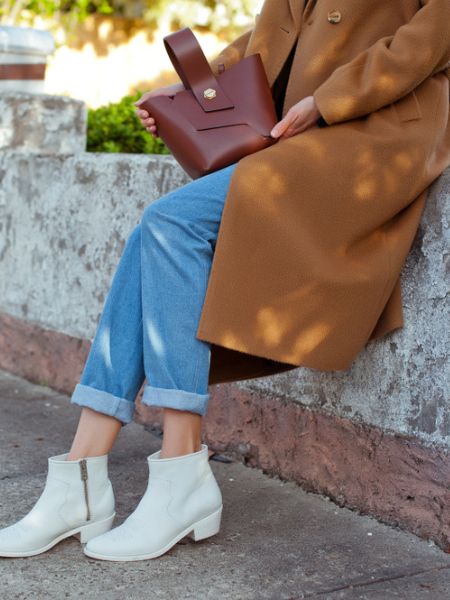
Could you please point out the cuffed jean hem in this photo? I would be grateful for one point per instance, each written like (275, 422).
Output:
(178, 399)
(103, 402)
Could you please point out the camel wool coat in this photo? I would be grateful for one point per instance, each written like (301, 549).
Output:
(316, 228)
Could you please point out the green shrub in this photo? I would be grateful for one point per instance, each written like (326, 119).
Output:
(116, 128)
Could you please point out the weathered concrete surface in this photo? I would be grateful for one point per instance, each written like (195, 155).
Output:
(63, 224)
(277, 541)
(41, 123)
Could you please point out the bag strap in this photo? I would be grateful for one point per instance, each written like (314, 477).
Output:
(194, 71)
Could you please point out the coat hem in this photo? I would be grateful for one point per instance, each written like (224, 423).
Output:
(246, 349)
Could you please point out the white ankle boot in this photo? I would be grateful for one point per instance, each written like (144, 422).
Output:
(182, 498)
(77, 500)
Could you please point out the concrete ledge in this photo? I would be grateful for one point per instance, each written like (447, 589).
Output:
(394, 478)
(42, 123)
(64, 220)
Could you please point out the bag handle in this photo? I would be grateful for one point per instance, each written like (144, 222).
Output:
(194, 71)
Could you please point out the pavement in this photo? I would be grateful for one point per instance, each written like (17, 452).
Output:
(277, 541)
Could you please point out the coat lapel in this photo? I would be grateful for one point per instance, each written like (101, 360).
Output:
(275, 33)
(297, 7)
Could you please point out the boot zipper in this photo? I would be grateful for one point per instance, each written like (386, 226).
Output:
(84, 476)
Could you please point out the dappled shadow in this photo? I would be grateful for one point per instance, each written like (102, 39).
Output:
(315, 234)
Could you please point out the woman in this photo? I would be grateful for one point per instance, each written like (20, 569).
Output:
(314, 231)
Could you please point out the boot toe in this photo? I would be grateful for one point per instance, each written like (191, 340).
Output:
(116, 543)
(17, 539)
(126, 542)
(10, 540)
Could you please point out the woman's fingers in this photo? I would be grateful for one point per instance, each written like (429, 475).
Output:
(153, 130)
(283, 126)
(147, 121)
(145, 117)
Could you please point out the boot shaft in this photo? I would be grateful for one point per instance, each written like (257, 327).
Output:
(86, 479)
(189, 479)
(187, 471)
(93, 468)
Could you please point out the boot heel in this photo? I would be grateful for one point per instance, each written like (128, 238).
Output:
(207, 527)
(90, 531)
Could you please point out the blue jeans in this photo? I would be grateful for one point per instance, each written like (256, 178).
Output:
(150, 316)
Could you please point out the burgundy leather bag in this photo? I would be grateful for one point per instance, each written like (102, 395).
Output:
(215, 121)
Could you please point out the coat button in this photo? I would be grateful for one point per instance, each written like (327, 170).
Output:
(334, 16)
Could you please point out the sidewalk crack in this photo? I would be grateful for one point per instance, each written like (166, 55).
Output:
(367, 583)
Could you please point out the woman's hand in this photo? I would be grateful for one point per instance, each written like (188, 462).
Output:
(299, 117)
(147, 120)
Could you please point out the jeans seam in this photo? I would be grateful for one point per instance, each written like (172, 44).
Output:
(197, 369)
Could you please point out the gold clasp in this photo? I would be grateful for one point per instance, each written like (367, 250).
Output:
(209, 93)
(334, 16)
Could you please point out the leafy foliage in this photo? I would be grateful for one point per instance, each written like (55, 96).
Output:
(11, 10)
(116, 128)
(211, 14)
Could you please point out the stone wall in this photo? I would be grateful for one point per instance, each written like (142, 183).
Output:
(370, 438)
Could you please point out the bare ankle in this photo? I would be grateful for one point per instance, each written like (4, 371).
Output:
(175, 450)
(95, 435)
(182, 433)
(80, 455)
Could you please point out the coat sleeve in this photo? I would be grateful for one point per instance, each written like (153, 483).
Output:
(389, 69)
(232, 53)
